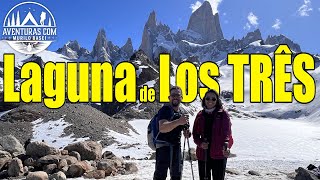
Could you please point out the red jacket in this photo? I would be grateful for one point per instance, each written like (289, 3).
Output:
(221, 132)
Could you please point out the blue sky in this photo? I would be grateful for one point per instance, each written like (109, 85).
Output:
(80, 20)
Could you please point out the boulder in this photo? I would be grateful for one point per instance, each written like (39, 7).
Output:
(78, 169)
(49, 159)
(12, 145)
(5, 157)
(70, 159)
(50, 168)
(39, 175)
(88, 150)
(30, 162)
(107, 166)
(232, 171)
(86, 166)
(96, 174)
(15, 168)
(131, 168)
(75, 170)
(76, 155)
(303, 174)
(118, 162)
(28, 169)
(63, 163)
(58, 176)
(40, 149)
(254, 173)
(4, 174)
(64, 152)
(108, 155)
(94, 164)
(121, 171)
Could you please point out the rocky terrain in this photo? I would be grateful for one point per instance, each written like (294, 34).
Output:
(87, 122)
(37, 160)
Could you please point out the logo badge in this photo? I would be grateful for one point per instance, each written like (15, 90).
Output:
(29, 28)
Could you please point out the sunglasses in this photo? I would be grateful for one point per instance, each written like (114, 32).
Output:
(175, 95)
(213, 99)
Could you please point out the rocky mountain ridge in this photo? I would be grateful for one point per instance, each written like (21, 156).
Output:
(203, 40)
(103, 50)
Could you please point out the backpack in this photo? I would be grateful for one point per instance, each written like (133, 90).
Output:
(153, 132)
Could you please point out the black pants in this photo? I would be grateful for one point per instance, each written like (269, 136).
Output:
(168, 157)
(215, 166)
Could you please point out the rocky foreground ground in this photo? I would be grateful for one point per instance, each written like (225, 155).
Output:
(37, 160)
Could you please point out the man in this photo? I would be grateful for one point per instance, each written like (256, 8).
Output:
(171, 123)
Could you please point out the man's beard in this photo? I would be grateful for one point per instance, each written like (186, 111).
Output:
(175, 103)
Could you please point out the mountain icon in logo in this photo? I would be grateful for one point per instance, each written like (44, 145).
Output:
(29, 28)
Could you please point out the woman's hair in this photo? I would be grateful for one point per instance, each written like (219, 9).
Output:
(218, 101)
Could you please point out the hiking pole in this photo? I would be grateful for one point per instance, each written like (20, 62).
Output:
(184, 147)
(190, 160)
(205, 164)
(205, 161)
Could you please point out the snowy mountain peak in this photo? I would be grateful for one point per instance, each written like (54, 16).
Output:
(73, 45)
(100, 48)
(73, 50)
(205, 23)
(252, 37)
(281, 39)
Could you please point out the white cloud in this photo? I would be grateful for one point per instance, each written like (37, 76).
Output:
(214, 4)
(277, 24)
(247, 27)
(195, 6)
(224, 14)
(253, 19)
(226, 21)
(305, 8)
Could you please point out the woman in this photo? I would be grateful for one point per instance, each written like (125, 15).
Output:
(212, 135)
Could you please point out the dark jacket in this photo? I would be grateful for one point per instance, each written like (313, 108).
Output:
(220, 133)
(173, 137)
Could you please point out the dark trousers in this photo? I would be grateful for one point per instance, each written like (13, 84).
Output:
(168, 157)
(215, 166)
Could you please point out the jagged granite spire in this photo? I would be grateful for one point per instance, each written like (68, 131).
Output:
(148, 36)
(128, 48)
(205, 23)
(152, 23)
(252, 37)
(100, 48)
